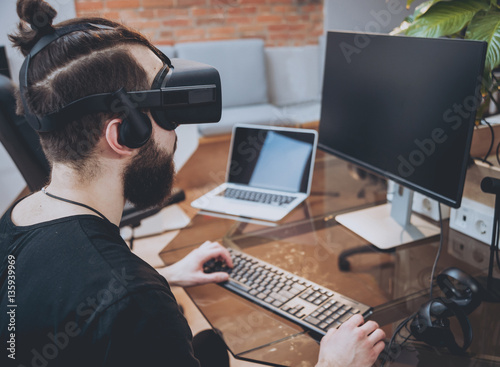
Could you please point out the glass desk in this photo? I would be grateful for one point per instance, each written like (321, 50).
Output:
(310, 243)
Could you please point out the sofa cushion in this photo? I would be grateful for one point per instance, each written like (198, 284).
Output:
(187, 143)
(293, 74)
(301, 113)
(322, 57)
(240, 64)
(262, 114)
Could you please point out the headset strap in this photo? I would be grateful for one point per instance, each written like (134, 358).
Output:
(105, 102)
(40, 45)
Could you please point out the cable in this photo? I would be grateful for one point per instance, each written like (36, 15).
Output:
(492, 98)
(44, 190)
(498, 148)
(497, 235)
(387, 350)
(498, 107)
(485, 159)
(494, 245)
(404, 323)
(438, 252)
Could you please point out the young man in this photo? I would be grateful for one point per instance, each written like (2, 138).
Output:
(83, 299)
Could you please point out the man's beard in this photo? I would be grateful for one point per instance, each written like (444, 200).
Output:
(149, 177)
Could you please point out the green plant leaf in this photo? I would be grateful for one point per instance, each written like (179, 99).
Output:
(446, 18)
(485, 26)
(401, 29)
(422, 9)
(419, 11)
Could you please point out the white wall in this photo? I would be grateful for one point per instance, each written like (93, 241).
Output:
(11, 181)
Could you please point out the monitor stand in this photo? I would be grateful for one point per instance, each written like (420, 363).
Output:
(389, 225)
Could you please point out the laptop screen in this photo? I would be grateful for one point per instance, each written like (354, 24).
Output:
(272, 158)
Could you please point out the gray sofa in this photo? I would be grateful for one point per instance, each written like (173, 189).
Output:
(260, 85)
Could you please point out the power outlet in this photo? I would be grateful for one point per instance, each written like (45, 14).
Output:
(429, 207)
(466, 249)
(473, 219)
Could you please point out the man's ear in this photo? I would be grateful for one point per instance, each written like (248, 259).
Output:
(112, 136)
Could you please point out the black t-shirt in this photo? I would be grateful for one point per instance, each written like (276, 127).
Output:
(79, 297)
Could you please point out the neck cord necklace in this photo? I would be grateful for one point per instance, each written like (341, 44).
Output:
(74, 203)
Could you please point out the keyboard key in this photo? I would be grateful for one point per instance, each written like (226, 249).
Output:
(318, 301)
(311, 299)
(255, 196)
(238, 285)
(279, 297)
(299, 287)
(312, 320)
(344, 318)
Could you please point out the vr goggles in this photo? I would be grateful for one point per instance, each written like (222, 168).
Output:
(183, 92)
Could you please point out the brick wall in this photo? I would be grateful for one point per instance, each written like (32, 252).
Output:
(278, 22)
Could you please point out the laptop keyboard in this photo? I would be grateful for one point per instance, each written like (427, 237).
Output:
(297, 299)
(258, 197)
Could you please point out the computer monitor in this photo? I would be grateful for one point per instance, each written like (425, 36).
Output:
(4, 65)
(404, 108)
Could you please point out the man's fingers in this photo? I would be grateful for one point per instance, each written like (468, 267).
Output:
(376, 336)
(379, 347)
(209, 244)
(215, 277)
(369, 327)
(328, 335)
(354, 321)
(215, 252)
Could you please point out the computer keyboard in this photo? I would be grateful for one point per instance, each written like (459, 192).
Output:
(257, 196)
(297, 299)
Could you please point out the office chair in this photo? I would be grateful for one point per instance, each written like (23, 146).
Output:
(21, 141)
(23, 145)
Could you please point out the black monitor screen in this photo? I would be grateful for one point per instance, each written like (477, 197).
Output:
(4, 65)
(403, 107)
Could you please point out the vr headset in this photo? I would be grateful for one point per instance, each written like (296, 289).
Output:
(183, 92)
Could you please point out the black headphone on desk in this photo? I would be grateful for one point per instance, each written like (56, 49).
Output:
(431, 324)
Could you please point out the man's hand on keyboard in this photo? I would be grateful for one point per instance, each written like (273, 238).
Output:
(353, 344)
(188, 271)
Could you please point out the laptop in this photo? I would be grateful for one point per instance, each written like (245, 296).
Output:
(269, 172)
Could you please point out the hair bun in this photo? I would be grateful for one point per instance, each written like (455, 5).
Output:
(38, 14)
